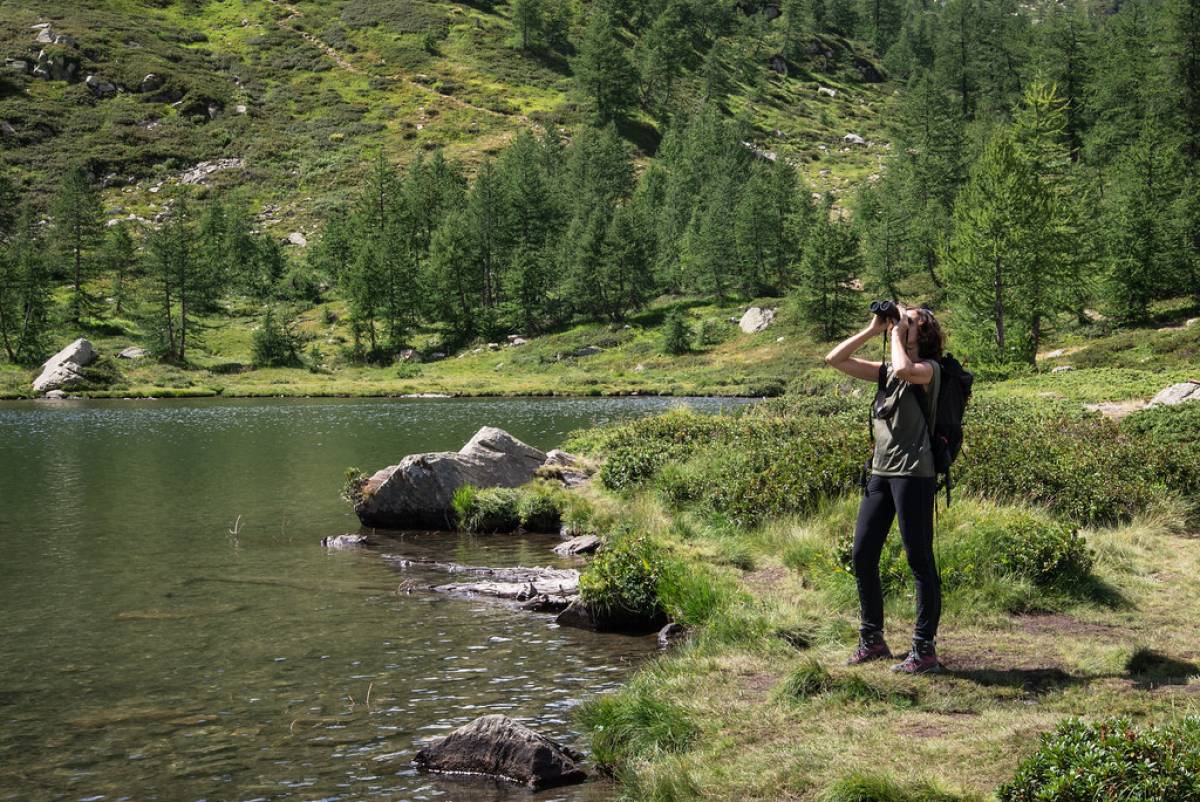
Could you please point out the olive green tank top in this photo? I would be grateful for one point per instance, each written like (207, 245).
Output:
(899, 421)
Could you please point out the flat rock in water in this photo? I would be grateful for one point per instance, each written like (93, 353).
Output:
(63, 369)
(1177, 394)
(519, 584)
(583, 544)
(497, 746)
(346, 541)
(419, 490)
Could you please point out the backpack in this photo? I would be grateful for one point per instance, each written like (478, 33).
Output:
(946, 432)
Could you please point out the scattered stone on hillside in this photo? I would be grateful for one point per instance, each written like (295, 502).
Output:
(1055, 354)
(854, 139)
(760, 153)
(410, 355)
(56, 67)
(436, 355)
(63, 370)
(18, 65)
(497, 746)
(202, 171)
(133, 352)
(581, 544)
(347, 541)
(56, 395)
(825, 90)
(671, 634)
(587, 350)
(1116, 410)
(493, 346)
(1190, 322)
(418, 491)
(7, 130)
(755, 319)
(1177, 394)
(1062, 369)
(779, 339)
(100, 87)
(639, 368)
(518, 341)
(297, 239)
(152, 82)
(512, 337)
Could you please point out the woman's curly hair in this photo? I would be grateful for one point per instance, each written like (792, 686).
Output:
(930, 340)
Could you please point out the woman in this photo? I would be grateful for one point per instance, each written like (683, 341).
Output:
(902, 478)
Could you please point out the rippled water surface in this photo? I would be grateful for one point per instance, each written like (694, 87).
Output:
(147, 653)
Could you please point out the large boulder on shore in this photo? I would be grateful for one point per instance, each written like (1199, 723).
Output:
(64, 369)
(419, 491)
(497, 746)
(755, 319)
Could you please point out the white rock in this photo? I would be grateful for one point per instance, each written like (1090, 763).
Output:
(133, 352)
(1177, 394)
(63, 368)
(297, 239)
(1055, 354)
(755, 319)
(854, 139)
(1062, 369)
(825, 90)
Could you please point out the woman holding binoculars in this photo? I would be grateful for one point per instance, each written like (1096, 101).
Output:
(901, 481)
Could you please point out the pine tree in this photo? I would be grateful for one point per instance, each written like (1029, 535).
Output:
(119, 258)
(992, 251)
(1067, 42)
(627, 283)
(211, 256)
(603, 72)
(528, 19)
(1141, 252)
(78, 229)
(824, 297)
(1118, 94)
(454, 275)
(171, 264)
(883, 228)
(24, 290)
(957, 52)
(709, 248)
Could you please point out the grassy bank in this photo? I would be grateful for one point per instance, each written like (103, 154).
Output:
(1067, 593)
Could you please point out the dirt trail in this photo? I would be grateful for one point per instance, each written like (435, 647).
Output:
(344, 63)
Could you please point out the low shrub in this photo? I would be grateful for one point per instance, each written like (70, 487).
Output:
(275, 344)
(1170, 436)
(811, 680)
(625, 575)
(634, 723)
(1111, 759)
(1001, 557)
(353, 489)
(540, 506)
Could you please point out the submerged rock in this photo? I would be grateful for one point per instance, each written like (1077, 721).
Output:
(419, 490)
(582, 544)
(582, 616)
(64, 368)
(347, 541)
(497, 746)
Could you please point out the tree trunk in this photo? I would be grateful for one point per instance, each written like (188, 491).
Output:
(998, 308)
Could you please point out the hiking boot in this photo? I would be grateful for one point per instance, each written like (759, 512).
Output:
(921, 659)
(870, 647)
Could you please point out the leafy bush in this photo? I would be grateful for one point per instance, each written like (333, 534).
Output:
(353, 490)
(540, 506)
(632, 723)
(625, 575)
(1111, 759)
(1170, 436)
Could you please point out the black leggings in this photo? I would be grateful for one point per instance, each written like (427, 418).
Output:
(912, 498)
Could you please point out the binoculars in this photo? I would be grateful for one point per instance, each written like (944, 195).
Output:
(886, 309)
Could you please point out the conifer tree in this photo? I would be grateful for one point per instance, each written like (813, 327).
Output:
(24, 290)
(992, 252)
(171, 265)
(528, 19)
(211, 255)
(78, 230)
(119, 258)
(603, 72)
(824, 297)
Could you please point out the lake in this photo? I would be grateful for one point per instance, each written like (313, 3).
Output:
(171, 628)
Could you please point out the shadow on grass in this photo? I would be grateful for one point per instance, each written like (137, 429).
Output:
(1150, 669)
(1034, 681)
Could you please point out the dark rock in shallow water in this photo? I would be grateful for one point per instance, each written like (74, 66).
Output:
(497, 746)
(581, 616)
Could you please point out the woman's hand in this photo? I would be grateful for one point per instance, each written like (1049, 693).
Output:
(878, 323)
(900, 327)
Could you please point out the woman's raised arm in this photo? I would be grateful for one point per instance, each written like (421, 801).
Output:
(842, 358)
